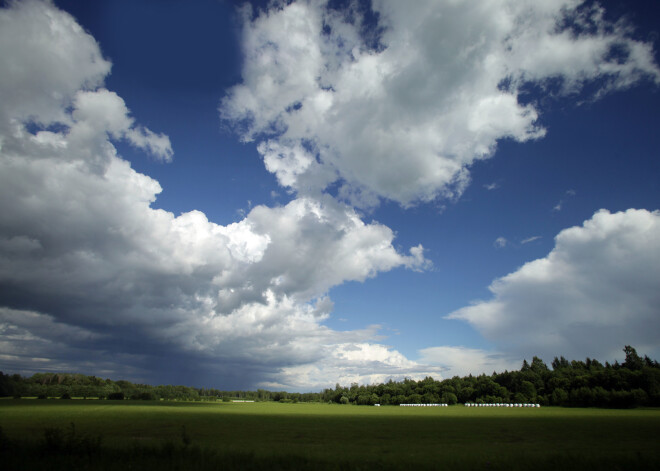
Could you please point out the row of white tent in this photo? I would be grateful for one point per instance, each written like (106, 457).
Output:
(424, 405)
(501, 405)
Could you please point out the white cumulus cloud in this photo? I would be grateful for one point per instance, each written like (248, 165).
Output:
(357, 362)
(595, 292)
(406, 118)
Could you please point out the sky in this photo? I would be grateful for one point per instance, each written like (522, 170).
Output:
(290, 195)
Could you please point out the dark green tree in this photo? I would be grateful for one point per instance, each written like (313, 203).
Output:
(633, 360)
(449, 398)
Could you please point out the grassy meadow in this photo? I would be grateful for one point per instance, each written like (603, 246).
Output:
(267, 435)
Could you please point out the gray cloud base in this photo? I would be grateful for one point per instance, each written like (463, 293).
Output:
(93, 278)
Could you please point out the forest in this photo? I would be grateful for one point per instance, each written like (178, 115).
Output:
(588, 383)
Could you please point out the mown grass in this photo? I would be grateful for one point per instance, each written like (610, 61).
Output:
(321, 436)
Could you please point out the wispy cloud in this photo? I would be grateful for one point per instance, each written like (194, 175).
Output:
(530, 239)
(568, 194)
(492, 186)
(500, 243)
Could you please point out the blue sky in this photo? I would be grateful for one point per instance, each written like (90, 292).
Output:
(308, 193)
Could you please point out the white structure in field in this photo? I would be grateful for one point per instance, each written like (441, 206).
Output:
(424, 405)
(472, 404)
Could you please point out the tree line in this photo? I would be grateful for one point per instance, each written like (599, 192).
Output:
(589, 383)
(67, 386)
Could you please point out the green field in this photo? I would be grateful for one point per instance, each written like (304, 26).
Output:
(322, 436)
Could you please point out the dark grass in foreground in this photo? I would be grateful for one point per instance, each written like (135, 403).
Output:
(126, 435)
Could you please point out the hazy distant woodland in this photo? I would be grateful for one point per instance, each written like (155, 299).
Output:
(587, 383)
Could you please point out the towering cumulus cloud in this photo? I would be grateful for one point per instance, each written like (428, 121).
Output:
(93, 277)
(598, 289)
(401, 108)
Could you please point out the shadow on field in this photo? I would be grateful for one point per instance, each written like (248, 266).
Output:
(66, 449)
